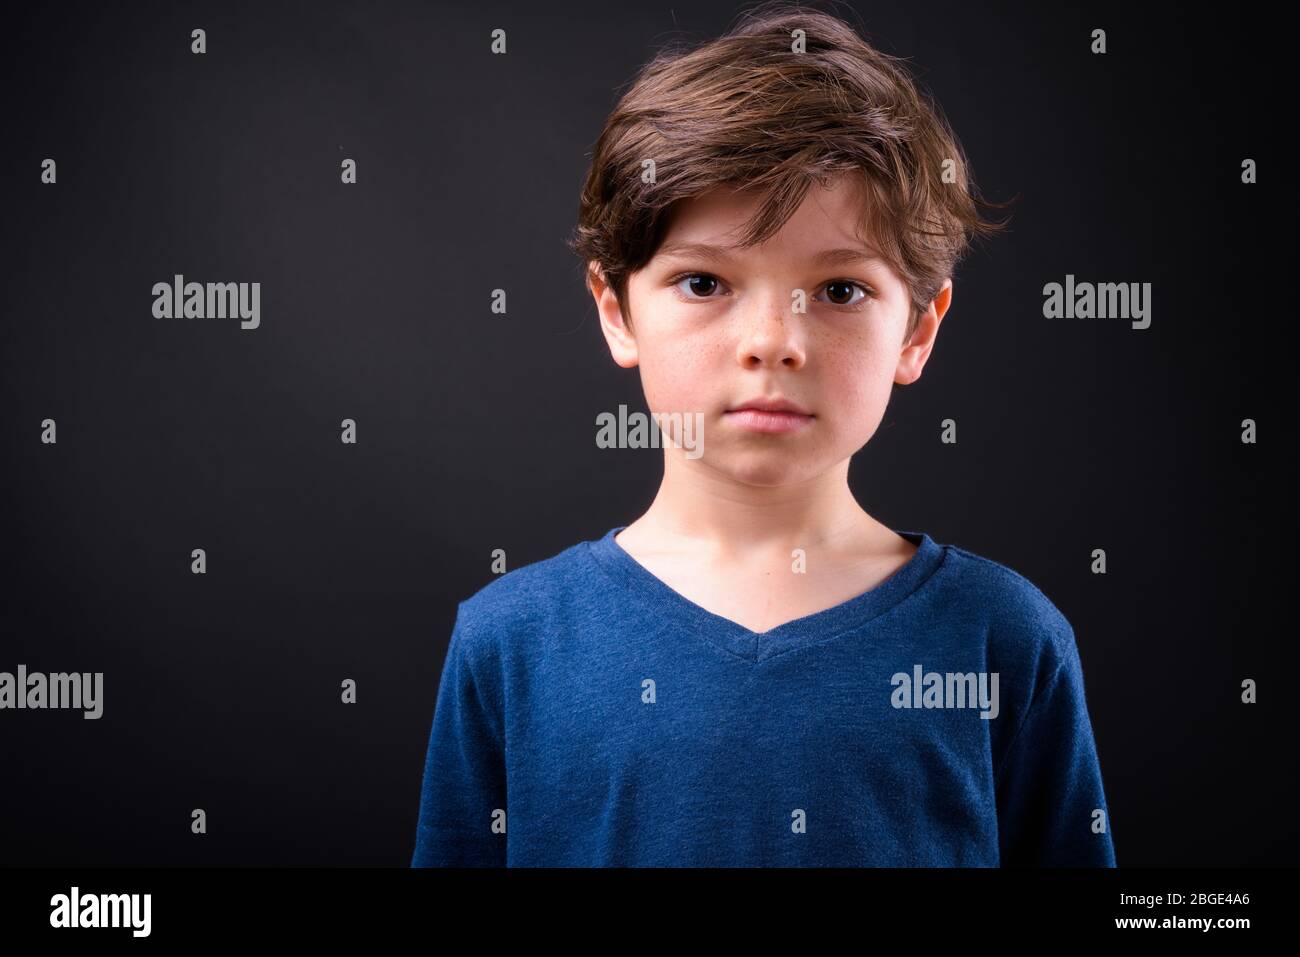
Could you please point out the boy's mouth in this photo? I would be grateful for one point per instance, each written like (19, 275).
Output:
(769, 415)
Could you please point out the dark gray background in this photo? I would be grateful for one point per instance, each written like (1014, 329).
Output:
(476, 431)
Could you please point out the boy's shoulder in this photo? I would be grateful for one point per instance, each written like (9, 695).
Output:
(1022, 622)
(530, 596)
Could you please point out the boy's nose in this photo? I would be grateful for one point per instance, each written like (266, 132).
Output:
(775, 339)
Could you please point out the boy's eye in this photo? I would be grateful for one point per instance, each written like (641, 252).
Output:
(701, 285)
(843, 290)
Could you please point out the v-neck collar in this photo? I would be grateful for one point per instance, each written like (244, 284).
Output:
(755, 646)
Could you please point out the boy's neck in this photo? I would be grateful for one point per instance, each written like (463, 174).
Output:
(706, 513)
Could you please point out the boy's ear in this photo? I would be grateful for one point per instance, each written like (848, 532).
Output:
(622, 344)
(916, 351)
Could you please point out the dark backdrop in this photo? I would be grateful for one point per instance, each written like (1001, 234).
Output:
(476, 431)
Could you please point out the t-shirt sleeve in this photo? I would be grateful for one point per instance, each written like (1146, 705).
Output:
(1051, 805)
(462, 820)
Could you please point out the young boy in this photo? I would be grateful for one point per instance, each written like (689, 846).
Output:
(756, 671)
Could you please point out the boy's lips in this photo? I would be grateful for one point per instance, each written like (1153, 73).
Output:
(776, 403)
(767, 421)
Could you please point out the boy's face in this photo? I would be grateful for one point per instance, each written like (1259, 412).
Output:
(710, 333)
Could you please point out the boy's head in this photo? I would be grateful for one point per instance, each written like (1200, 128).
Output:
(784, 139)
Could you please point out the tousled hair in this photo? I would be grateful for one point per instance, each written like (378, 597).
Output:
(746, 111)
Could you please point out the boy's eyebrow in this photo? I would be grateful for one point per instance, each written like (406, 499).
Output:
(827, 257)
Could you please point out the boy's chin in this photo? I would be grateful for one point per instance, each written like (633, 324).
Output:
(776, 471)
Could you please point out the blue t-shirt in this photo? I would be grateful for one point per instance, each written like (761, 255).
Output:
(590, 715)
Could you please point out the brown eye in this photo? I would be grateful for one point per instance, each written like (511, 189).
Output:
(701, 285)
(840, 292)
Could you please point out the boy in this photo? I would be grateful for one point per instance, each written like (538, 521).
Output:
(756, 671)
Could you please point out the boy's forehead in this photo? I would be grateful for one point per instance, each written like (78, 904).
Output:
(830, 219)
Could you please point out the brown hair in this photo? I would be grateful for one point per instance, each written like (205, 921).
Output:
(745, 110)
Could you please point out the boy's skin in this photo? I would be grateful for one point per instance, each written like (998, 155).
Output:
(723, 526)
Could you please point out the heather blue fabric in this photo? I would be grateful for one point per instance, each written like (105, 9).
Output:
(590, 715)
